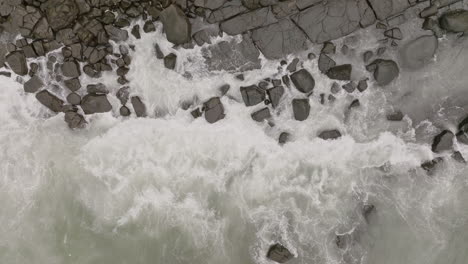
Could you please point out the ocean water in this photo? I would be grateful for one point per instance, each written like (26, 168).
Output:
(173, 190)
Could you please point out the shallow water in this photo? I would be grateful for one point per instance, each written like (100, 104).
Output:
(169, 189)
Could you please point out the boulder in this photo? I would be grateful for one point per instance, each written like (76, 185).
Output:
(16, 60)
(33, 85)
(60, 13)
(228, 10)
(50, 101)
(393, 33)
(74, 99)
(74, 120)
(279, 253)
(419, 52)
(303, 81)
(330, 134)
(214, 110)
(431, 165)
(98, 88)
(340, 72)
(275, 94)
(325, 63)
(123, 94)
(71, 69)
(244, 22)
(443, 141)
(261, 115)
(386, 8)
(116, 34)
(95, 103)
(301, 109)
(138, 106)
(279, 39)
(252, 95)
(283, 138)
(176, 25)
(73, 84)
(455, 21)
(170, 61)
(385, 71)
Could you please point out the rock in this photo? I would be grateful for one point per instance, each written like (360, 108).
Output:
(341, 72)
(292, 67)
(16, 60)
(349, 87)
(335, 88)
(98, 88)
(252, 95)
(116, 34)
(367, 56)
(214, 110)
(123, 94)
(283, 138)
(462, 137)
(73, 84)
(232, 56)
(362, 85)
(122, 71)
(229, 10)
(261, 115)
(50, 101)
(355, 103)
(223, 90)
(196, 113)
(138, 106)
(124, 111)
(386, 8)
(248, 21)
(395, 116)
(279, 253)
(443, 141)
(419, 52)
(279, 39)
(301, 109)
(333, 19)
(170, 61)
(74, 99)
(95, 103)
(74, 120)
(71, 69)
(149, 27)
(345, 49)
(275, 95)
(455, 21)
(458, 157)
(303, 81)
(330, 134)
(311, 56)
(431, 166)
(394, 33)
(136, 31)
(385, 71)
(176, 25)
(60, 13)
(33, 85)
(328, 48)
(367, 211)
(325, 63)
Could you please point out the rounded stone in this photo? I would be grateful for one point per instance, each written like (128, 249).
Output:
(74, 99)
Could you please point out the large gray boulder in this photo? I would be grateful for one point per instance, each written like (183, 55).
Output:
(386, 8)
(443, 141)
(385, 71)
(116, 34)
(340, 72)
(33, 85)
(95, 103)
(138, 106)
(455, 21)
(418, 52)
(248, 21)
(214, 110)
(71, 69)
(60, 13)
(252, 95)
(301, 109)
(303, 81)
(16, 60)
(333, 19)
(50, 101)
(280, 39)
(176, 25)
(228, 10)
(279, 253)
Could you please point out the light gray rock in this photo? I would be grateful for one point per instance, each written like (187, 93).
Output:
(50, 101)
(303, 81)
(455, 21)
(301, 109)
(16, 60)
(386, 8)
(385, 71)
(33, 85)
(248, 21)
(95, 103)
(214, 110)
(176, 25)
(280, 39)
(252, 95)
(279, 253)
(443, 142)
(419, 52)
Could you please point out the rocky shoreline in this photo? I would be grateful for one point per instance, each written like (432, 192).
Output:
(77, 39)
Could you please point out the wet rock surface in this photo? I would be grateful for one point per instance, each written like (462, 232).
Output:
(279, 253)
(95, 103)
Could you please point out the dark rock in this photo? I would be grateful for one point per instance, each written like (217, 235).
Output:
(73, 84)
(275, 95)
(431, 166)
(95, 103)
(261, 115)
(280, 39)
(355, 103)
(248, 21)
(263, 85)
(71, 69)
(50, 101)
(224, 89)
(303, 81)
(123, 94)
(433, 25)
(367, 56)
(293, 65)
(138, 106)
(443, 141)
(60, 13)
(330, 134)
(149, 27)
(362, 85)
(16, 60)
(252, 95)
(98, 88)
(381, 51)
(279, 253)
(455, 21)
(286, 80)
(283, 138)
(116, 34)
(341, 72)
(196, 113)
(328, 48)
(136, 31)
(276, 82)
(345, 49)
(159, 53)
(311, 56)
(170, 61)
(176, 25)
(462, 137)
(74, 120)
(349, 87)
(214, 110)
(124, 111)
(229, 9)
(325, 63)
(301, 109)
(394, 33)
(74, 99)
(33, 85)
(395, 116)
(122, 71)
(385, 71)
(240, 77)
(418, 52)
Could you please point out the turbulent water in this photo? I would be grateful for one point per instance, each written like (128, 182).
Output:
(170, 189)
